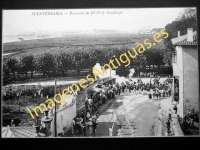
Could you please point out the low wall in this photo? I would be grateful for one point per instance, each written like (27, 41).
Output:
(64, 119)
(176, 126)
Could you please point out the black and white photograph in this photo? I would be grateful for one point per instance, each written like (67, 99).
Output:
(100, 73)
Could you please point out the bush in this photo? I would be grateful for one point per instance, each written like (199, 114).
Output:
(72, 73)
(7, 109)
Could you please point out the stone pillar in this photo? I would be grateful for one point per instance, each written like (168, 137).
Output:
(47, 122)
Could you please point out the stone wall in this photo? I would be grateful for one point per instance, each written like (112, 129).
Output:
(64, 119)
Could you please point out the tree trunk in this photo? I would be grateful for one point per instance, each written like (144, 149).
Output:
(78, 72)
(31, 75)
(139, 70)
(14, 75)
(158, 68)
(63, 73)
(149, 68)
(124, 72)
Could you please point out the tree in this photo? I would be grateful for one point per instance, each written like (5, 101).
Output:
(77, 61)
(28, 64)
(65, 63)
(37, 65)
(186, 19)
(19, 67)
(47, 64)
(11, 64)
(154, 58)
(58, 65)
(6, 73)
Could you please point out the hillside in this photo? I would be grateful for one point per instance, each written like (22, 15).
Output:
(73, 43)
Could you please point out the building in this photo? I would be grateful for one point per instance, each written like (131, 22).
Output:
(145, 32)
(185, 72)
(18, 132)
(21, 39)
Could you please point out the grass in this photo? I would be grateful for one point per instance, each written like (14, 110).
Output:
(75, 43)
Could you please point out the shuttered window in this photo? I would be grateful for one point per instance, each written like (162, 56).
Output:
(174, 56)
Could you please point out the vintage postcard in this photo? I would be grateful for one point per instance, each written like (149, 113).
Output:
(106, 72)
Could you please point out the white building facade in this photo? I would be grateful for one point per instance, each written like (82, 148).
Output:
(185, 69)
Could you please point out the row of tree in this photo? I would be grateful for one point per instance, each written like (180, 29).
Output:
(56, 65)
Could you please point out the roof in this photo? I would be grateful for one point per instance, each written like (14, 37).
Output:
(6, 132)
(19, 132)
(182, 40)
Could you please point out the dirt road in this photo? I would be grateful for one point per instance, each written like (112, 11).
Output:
(133, 111)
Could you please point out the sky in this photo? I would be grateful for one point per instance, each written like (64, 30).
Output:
(129, 19)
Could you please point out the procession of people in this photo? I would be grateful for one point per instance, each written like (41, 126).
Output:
(85, 123)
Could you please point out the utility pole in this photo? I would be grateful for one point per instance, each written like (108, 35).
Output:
(19, 105)
(110, 69)
(55, 124)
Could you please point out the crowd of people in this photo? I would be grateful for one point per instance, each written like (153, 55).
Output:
(34, 92)
(85, 122)
(154, 88)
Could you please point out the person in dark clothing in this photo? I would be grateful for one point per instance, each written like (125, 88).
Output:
(117, 89)
(168, 125)
(74, 126)
(104, 99)
(87, 116)
(94, 126)
(130, 88)
(170, 114)
(42, 130)
(79, 121)
(123, 86)
(112, 93)
(175, 109)
(84, 130)
(82, 115)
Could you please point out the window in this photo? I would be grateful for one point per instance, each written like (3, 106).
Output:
(174, 56)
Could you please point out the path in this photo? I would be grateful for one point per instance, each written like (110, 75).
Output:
(137, 110)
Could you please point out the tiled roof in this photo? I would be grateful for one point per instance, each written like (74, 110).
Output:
(20, 131)
(182, 40)
(6, 132)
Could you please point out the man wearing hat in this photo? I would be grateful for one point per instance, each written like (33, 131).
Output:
(42, 130)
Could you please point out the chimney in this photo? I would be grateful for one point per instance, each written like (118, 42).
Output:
(11, 122)
(178, 33)
(190, 34)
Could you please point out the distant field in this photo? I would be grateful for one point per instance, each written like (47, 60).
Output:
(75, 43)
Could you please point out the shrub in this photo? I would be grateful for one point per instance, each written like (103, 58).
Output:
(7, 109)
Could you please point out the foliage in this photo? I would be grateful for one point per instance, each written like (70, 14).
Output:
(28, 64)
(47, 64)
(60, 61)
(186, 19)
(11, 64)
